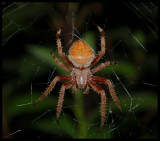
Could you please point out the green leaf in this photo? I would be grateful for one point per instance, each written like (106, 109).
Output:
(90, 39)
(43, 53)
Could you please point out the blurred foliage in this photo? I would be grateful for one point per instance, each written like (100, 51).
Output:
(28, 37)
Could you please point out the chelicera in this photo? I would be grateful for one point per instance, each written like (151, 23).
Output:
(79, 62)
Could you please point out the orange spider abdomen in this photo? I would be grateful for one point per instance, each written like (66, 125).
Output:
(81, 54)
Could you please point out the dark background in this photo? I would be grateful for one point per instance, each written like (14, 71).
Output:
(28, 36)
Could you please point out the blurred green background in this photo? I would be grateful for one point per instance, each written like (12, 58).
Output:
(28, 36)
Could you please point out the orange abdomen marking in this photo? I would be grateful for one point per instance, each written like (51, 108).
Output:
(81, 54)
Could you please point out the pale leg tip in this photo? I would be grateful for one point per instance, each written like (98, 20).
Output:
(99, 28)
(59, 31)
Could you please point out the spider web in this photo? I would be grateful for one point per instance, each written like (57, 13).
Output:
(28, 36)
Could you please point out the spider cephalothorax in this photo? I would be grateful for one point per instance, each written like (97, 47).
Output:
(81, 59)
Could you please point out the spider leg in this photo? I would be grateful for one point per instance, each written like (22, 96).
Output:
(101, 66)
(51, 86)
(98, 89)
(61, 97)
(103, 47)
(60, 52)
(110, 86)
(60, 63)
(86, 90)
(74, 88)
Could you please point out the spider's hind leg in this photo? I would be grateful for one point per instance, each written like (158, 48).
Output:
(111, 89)
(61, 97)
(98, 89)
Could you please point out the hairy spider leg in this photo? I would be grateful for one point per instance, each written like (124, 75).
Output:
(60, 63)
(86, 90)
(110, 86)
(60, 52)
(101, 66)
(74, 87)
(61, 97)
(103, 47)
(51, 86)
(98, 89)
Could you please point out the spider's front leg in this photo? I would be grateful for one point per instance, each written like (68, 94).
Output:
(60, 52)
(51, 86)
(103, 47)
(60, 63)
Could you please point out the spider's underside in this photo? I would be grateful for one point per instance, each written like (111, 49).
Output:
(81, 59)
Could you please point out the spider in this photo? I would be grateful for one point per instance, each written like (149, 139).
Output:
(81, 59)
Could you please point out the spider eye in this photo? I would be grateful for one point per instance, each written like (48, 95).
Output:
(81, 54)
